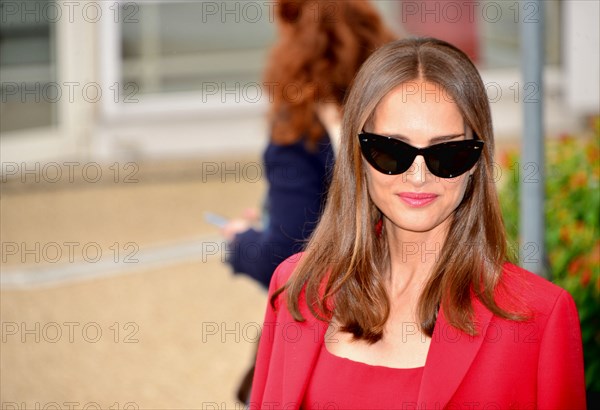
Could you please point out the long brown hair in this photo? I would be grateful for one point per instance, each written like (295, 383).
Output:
(321, 45)
(341, 270)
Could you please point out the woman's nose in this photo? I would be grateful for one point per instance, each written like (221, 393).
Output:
(417, 173)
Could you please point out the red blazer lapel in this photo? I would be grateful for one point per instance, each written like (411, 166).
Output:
(304, 341)
(451, 353)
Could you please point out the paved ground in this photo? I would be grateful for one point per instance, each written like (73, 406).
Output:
(150, 336)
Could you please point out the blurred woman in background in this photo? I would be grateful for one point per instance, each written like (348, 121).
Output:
(321, 45)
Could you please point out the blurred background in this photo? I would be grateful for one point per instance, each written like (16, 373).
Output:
(122, 122)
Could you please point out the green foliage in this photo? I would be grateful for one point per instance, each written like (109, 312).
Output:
(572, 229)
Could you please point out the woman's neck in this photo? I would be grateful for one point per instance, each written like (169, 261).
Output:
(413, 256)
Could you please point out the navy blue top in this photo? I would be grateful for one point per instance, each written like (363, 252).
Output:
(298, 180)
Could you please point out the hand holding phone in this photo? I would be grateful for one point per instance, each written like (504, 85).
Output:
(215, 219)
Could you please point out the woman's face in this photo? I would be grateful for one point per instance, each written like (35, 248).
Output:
(420, 114)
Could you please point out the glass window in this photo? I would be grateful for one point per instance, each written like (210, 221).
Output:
(500, 21)
(182, 46)
(27, 65)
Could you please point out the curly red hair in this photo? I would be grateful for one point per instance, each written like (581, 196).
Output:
(321, 46)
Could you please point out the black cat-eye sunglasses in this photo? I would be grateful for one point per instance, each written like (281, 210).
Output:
(446, 160)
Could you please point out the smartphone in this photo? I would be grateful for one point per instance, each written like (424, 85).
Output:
(214, 219)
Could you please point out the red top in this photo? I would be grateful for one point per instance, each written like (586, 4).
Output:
(340, 383)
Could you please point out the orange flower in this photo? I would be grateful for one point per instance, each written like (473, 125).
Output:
(578, 180)
(586, 276)
(565, 235)
(575, 266)
(507, 158)
(593, 153)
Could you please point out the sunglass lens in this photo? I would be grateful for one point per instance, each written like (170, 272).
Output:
(453, 159)
(388, 156)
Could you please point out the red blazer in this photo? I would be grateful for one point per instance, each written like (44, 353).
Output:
(509, 365)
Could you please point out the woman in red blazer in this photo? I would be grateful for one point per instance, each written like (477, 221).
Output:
(403, 297)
